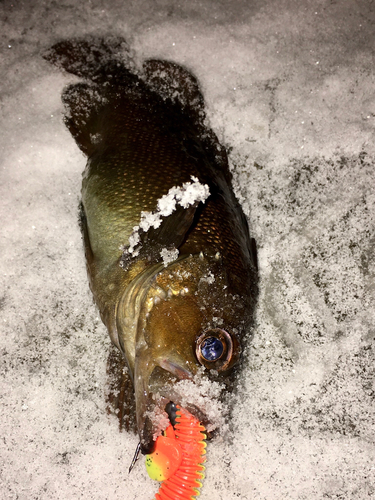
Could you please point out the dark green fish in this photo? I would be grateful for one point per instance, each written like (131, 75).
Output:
(171, 264)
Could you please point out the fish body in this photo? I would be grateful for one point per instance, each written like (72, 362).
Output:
(170, 261)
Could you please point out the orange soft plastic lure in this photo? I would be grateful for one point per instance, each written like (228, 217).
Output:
(178, 457)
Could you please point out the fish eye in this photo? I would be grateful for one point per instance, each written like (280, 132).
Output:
(216, 349)
(211, 348)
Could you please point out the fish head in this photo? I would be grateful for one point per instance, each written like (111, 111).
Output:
(188, 330)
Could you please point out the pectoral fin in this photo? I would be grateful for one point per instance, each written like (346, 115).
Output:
(174, 228)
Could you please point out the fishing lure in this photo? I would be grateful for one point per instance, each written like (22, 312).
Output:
(178, 457)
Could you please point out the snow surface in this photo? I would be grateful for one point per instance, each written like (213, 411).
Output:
(289, 87)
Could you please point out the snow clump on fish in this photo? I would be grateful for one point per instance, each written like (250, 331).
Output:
(189, 193)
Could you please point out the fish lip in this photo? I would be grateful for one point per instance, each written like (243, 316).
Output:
(147, 442)
(151, 408)
(175, 369)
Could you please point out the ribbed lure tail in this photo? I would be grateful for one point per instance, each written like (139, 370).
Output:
(178, 458)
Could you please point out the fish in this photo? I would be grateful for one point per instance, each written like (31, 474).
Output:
(170, 260)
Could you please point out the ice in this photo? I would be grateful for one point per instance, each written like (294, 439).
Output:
(289, 88)
(209, 278)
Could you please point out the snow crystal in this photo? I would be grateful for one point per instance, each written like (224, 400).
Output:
(189, 194)
(159, 416)
(134, 239)
(169, 256)
(208, 278)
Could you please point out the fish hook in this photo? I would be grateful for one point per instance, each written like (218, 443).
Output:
(136, 456)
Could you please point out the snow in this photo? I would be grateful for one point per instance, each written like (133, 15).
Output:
(169, 256)
(289, 88)
(205, 395)
(190, 193)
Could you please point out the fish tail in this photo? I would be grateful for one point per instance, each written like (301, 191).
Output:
(85, 57)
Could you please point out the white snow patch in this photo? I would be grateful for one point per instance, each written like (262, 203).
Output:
(208, 278)
(169, 256)
(205, 394)
(187, 194)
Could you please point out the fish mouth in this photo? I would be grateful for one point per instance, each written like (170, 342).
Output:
(157, 397)
(147, 433)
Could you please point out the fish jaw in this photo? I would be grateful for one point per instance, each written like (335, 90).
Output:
(144, 336)
(153, 384)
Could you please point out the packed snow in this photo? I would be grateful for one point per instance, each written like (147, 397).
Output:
(290, 91)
